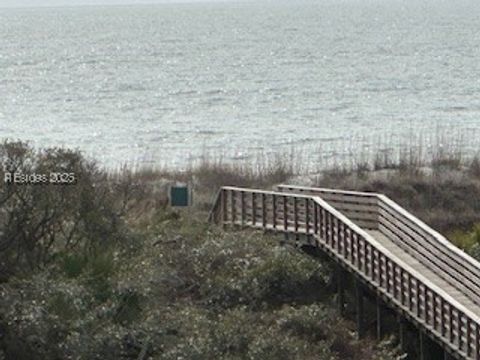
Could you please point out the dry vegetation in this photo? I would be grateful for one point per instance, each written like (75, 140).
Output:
(105, 270)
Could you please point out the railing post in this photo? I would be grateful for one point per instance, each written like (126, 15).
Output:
(409, 292)
(450, 322)
(372, 263)
(242, 206)
(477, 341)
(417, 297)
(402, 297)
(274, 210)
(468, 336)
(357, 251)
(351, 239)
(381, 272)
(459, 329)
(224, 208)
(337, 231)
(427, 306)
(307, 215)
(442, 317)
(394, 273)
(264, 212)
(285, 214)
(328, 240)
(323, 225)
(387, 275)
(362, 264)
(295, 214)
(254, 210)
(233, 205)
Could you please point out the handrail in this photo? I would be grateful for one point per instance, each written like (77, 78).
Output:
(326, 190)
(435, 309)
(360, 207)
(465, 272)
(438, 237)
(460, 270)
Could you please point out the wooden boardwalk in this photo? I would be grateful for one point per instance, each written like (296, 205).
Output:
(411, 267)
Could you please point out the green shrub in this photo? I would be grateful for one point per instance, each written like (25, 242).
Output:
(285, 277)
(281, 276)
(62, 306)
(310, 322)
(128, 307)
(56, 218)
(74, 264)
(100, 268)
(468, 241)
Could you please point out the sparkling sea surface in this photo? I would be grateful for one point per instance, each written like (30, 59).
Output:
(168, 84)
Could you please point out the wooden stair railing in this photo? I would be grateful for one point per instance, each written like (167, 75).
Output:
(408, 232)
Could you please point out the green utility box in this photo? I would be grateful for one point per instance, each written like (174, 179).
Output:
(179, 195)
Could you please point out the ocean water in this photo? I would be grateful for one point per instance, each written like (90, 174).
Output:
(169, 84)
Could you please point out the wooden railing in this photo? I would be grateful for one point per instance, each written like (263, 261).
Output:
(409, 291)
(360, 207)
(430, 248)
(408, 232)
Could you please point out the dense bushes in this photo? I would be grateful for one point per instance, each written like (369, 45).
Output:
(188, 291)
(68, 204)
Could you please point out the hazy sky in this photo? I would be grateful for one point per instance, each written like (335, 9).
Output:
(31, 3)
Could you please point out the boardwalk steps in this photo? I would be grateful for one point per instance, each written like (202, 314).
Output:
(406, 263)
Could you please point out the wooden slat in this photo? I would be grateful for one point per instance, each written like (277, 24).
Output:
(432, 255)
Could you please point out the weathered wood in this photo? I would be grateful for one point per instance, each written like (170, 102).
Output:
(360, 311)
(423, 342)
(339, 273)
(380, 312)
(391, 259)
(412, 233)
(401, 333)
(427, 237)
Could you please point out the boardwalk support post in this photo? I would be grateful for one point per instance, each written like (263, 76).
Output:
(402, 333)
(446, 355)
(360, 309)
(340, 289)
(424, 346)
(380, 313)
